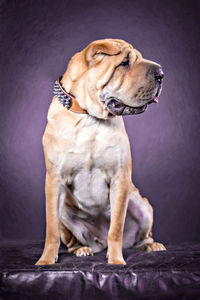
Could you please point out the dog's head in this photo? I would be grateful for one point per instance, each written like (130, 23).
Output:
(109, 77)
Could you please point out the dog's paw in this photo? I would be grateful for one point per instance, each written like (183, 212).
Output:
(152, 247)
(116, 261)
(83, 251)
(46, 261)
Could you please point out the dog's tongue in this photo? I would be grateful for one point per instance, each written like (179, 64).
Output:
(155, 99)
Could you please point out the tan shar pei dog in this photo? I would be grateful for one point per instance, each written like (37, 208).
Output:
(91, 202)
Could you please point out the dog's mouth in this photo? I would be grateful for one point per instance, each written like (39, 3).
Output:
(117, 108)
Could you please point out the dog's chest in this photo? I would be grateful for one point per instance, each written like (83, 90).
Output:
(87, 158)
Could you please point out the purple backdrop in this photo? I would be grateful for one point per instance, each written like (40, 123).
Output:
(39, 37)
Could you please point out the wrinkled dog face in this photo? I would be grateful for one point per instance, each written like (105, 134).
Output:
(135, 83)
(114, 78)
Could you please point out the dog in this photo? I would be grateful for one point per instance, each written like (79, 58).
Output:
(91, 202)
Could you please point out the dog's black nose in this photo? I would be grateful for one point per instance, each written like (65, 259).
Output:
(159, 75)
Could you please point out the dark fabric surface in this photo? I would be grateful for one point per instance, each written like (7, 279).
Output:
(171, 274)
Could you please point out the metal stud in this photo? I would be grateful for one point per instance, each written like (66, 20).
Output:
(63, 98)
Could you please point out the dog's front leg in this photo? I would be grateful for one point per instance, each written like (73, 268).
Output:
(118, 201)
(53, 206)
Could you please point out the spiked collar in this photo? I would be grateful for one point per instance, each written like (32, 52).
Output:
(67, 99)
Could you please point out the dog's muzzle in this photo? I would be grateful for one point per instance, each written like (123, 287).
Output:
(117, 108)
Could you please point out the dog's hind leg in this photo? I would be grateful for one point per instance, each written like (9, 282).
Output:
(139, 220)
(72, 244)
(68, 239)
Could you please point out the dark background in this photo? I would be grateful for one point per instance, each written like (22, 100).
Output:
(38, 39)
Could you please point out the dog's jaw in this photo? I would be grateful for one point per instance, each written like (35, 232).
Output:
(116, 107)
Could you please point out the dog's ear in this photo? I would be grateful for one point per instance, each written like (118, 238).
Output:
(91, 55)
(96, 50)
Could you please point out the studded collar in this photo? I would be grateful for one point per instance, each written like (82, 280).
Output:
(67, 99)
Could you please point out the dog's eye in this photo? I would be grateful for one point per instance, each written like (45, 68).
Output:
(125, 62)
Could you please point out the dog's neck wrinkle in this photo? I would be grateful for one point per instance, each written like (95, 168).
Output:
(67, 84)
(86, 100)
